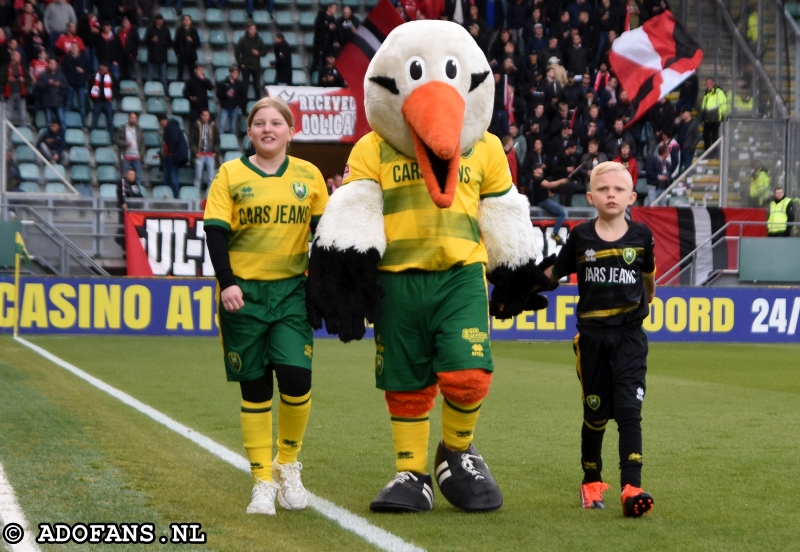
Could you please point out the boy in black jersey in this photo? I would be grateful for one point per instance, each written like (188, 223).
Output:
(614, 260)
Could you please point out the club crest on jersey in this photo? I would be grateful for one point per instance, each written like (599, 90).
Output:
(300, 190)
(593, 401)
(235, 361)
(628, 255)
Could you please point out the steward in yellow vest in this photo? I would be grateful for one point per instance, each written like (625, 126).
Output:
(781, 212)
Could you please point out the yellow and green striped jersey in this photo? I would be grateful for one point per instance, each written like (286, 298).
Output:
(267, 215)
(420, 235)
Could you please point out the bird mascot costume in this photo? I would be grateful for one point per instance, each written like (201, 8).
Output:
(428, 213)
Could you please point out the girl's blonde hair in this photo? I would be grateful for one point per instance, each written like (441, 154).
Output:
(278, 104)
(607, 167)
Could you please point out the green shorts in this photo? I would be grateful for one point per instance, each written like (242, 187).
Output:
(431, 322)
(272, 327)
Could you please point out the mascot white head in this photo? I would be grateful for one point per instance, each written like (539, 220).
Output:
(435, 74)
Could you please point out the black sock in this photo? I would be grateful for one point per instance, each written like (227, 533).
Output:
(591, 448)
(629, 423)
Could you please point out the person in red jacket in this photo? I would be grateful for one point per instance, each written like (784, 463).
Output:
(65, 41)
(628, 161)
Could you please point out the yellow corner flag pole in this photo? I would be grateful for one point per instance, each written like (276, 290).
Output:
(20, 254)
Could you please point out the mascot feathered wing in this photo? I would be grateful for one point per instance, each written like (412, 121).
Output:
(428, 206)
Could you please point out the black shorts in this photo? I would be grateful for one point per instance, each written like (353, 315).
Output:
(611, 364)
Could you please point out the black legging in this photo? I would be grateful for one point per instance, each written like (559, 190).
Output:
(292, 382)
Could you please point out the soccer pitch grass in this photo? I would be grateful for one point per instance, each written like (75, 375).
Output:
(721, 449)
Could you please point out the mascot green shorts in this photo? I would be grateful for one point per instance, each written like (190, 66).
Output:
(431, 322)
(272, 327)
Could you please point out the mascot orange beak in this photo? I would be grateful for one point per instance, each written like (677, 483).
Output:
(434, 113)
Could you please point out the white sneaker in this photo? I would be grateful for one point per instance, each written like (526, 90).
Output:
(263, 500)
(292, 494)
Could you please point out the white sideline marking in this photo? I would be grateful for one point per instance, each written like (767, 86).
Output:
(10, 512)
(348, 520)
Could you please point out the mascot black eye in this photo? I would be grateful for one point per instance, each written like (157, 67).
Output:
(451, 69)
(415, 70)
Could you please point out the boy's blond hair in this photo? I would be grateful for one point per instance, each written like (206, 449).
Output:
(607, 167)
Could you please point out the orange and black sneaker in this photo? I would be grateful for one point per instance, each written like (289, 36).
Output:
(592, 494)
(635, 502)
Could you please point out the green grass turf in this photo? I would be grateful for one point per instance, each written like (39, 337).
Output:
(720, 433)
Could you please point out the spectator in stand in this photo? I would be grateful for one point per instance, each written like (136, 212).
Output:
(572, 93)
(130, 9)
(89, 29)
(13, 79)
(511, 157)
(615, 137)
(328, 183)
(605, 20)
(329, 74)
(108, 10)
(337, 182)
(13, 174)
(606, 48)
(174, 152)
(57, 15)
(577, 57)
(538, 41)
(102, 93)
(24, 24)
(536, 155)
(196, 91)
(480, 39)
(129, 186)
(562, 172)
(629, 162)
(661, 119)
(497, 49)
(105, 48)
(158, 42)
(325, 34)
(560, 128)
(37, 67)
(53, 86)
(658, 171)
(51, 144)
(688, 137)
(127, 49)
(187, 40)
(588, 134)
(179, 6)
(283, 61)
(204, 146)
(608, 96)
(520, 146)
(129, 140)
(247, 54)
(589, 160)
(347, 25)
(77, 69)
(687, 97)
(232, 96)
(65, 41)
(541, 194)
(712, 112)
(35, 41)
(11, 46)
(538, 126)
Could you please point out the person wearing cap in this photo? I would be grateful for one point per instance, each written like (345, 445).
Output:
(158, 41)
(572, 92)
(283, 61)
(688, 137)
(537, 41)
(232, 96)
(561, 73)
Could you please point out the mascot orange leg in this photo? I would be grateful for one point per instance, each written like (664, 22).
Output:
(463, 393)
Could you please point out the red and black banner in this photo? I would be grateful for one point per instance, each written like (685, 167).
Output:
(654, 60)
(354, 59)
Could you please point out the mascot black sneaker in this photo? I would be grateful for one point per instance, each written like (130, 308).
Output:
(407, 492)
(465, 480)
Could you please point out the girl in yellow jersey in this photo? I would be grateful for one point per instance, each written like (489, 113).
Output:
(257, 218)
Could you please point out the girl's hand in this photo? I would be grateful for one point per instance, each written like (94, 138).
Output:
(232, 298)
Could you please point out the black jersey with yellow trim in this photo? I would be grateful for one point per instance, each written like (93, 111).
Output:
(610, 274)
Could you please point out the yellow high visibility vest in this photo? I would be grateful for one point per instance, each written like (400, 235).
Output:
(776, 223)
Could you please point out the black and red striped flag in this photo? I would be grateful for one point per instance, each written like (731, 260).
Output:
(354, 59)
(653, 60)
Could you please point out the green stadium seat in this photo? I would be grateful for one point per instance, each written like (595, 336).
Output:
(306, 5)
(237, 18)
(85, 190)
(107, 174)
(72, 119)
(186, 176)
(172, 57)
(267, 61)
(297, 61)
(99, 138)
(269, 78)
(307, 20)
(141, 31)
(221, 59)
(25, 154)
(132, 103)
(579, 200)
(219, 39)
(314, 78)
(152, 139)
(236, 2)
(267, 37)
(156, 176)
(794, 9)
(261, 17)
(80, 173)
(228, 142)
(201, 58)
(180, 106)
(231, 155)
(308, 40)
(39, 120)
(188, 192)
(78, 155)
(73, 137)
(299, 77)
(143, 59)
(214, 17)
(172, 73)
(355, 4)
(148, 121)
(29, 172)
(161, 192)
(108, 190)
(237, 36)
(369, 4)
(283, 3)
(284, 19)
(291, 39)
(105, 156)
(55, 188)
(128, 88)
(26, 133)
(194, 13)
(220, 74)
(30, 187)
(170, 17)
(120, 119)
(212, 107)
(153, 88)
(176, 89)
(152, 158)
(156, 105)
